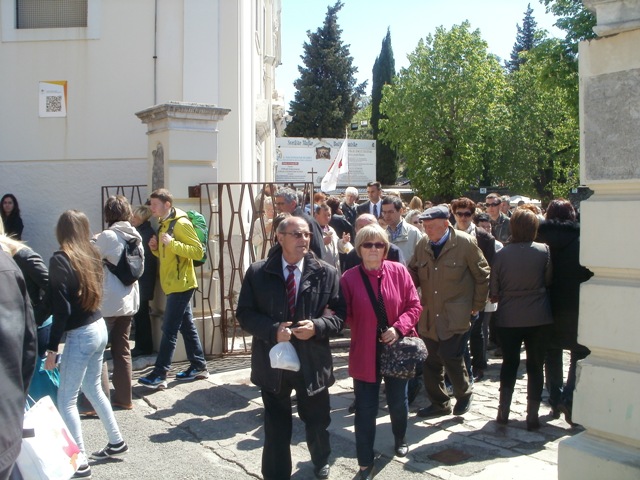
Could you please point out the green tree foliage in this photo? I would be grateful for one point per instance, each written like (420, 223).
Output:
(384, 71)
(541, 146)
(326, 93)
(443, 112)
(525, 40)
(574, 19)
(363, 131)
(561, 69)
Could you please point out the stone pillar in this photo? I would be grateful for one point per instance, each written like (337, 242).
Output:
(607, 399)
(183, 153)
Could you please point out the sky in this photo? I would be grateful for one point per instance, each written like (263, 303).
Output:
(364, 25)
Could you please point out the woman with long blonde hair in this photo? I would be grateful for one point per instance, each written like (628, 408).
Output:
(75, 279)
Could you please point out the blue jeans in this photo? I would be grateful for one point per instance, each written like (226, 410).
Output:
(178, 318)
(367, 400)
(81, 366)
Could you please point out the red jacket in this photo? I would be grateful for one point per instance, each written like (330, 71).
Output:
(401, 302)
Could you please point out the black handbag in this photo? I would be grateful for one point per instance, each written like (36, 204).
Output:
(400, 359)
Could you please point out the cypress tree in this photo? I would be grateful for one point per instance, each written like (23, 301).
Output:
(384, 70)
(326, 93)
(525, 40)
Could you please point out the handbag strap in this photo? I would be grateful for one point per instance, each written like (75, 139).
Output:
(381, 316)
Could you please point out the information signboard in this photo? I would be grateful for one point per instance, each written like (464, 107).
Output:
(298, 157)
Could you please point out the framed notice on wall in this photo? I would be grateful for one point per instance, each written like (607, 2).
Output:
(52, 98)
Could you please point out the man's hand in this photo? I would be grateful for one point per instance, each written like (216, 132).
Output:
(284, 332)
(166, 238)
(304, 330)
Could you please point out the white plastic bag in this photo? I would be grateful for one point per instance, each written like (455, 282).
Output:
(283, 355)
(51, 453)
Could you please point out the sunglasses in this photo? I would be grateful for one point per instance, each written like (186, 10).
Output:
(492, 204)
(370, 245)
(416, 222)
(463, 214)
(299, 235)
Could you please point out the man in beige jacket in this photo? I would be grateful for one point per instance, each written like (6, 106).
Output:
(453, 275)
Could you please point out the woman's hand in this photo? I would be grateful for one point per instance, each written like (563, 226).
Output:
(50, 362)
(390, 336)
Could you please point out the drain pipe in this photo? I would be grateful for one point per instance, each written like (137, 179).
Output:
(155, 54)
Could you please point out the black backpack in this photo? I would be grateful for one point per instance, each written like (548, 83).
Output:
(130, 267)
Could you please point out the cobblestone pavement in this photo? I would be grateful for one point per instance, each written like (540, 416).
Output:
(213, 429)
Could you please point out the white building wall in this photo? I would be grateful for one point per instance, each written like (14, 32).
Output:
(205, 52)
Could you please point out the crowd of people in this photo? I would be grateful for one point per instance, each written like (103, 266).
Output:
(465, 277)
(61, 318)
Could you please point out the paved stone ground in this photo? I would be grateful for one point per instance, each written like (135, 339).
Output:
(213, 429)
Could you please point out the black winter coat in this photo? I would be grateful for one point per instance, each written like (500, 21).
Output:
(563, 238)
(262, 306)
(36, 276)
(147, 283)
(17, 357)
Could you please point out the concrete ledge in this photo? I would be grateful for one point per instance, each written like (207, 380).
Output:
(585, 456)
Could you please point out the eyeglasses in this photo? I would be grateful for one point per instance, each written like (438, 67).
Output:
(370, 245)
(492, 204)
(279, 204)
(463, 214)
(299, 234)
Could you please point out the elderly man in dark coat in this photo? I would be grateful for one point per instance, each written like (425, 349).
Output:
(292, 296)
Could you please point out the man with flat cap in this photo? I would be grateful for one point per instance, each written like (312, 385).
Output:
(454, 277)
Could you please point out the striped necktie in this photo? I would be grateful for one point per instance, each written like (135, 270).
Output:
(291, 291)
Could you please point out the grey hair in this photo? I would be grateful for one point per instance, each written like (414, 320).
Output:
(352, 191)
(288, 194)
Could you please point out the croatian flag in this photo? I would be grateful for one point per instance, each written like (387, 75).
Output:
(339, 165)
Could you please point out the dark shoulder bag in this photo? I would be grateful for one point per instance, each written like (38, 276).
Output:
(400, 359)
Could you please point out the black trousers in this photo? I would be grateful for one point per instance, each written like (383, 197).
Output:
(314, 411)
(535, 344)
(144, 336)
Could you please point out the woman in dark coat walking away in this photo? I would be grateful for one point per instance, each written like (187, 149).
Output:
(520, 274)
(561, 232)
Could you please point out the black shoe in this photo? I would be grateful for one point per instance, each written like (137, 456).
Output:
(110, 451)
(433, 412)
(402, 448)
(322, 472)
(463, 405)
(478, 375)
(352, 407)
(366, 474)
(84, 471)
(565, 409)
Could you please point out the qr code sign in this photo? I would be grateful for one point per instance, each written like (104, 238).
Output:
(54, 103)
